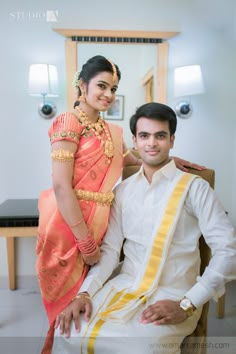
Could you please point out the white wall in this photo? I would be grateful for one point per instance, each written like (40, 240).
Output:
(207, 37)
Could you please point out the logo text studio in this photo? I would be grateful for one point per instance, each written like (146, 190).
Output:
(34, 16)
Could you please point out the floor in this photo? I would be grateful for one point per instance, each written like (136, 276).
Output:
(23, 323)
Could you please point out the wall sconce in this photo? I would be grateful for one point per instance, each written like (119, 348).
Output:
(187, 82)
(43, 82)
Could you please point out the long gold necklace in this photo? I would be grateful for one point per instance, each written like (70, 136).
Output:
(98, 128)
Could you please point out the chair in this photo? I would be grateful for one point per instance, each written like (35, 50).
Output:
(194, 342)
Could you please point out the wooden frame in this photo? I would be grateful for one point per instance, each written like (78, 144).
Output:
(116, 111)
(148, 84)
(75, 36)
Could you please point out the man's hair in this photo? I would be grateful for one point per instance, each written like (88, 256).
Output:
(156, 111)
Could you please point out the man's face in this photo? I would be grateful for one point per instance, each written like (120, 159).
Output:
(153, 141)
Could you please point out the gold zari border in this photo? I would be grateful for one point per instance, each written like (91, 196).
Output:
(71, 135)
(97, 197)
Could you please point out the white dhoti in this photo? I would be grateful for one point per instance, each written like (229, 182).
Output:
(131, 337)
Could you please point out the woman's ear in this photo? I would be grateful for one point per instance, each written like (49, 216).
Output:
(81, 85)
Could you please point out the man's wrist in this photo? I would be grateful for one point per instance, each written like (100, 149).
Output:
(186, 305)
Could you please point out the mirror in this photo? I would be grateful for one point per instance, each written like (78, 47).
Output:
(155, 46)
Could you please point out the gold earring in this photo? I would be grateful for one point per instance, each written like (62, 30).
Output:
(82, 98)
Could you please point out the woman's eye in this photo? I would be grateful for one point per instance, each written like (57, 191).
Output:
(113, 90)
(102, 86)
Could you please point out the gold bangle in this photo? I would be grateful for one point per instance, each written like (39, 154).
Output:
(77, 223)
(62, 155)
(126, 153)
(78, 296)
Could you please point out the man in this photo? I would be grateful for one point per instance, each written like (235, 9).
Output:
(159, 213)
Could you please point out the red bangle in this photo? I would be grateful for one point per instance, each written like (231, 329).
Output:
(87, 245)
(92, 253)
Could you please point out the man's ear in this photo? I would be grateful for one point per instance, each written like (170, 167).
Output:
(134, 141)
(172, 140)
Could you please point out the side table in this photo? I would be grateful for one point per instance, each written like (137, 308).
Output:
(18, 218)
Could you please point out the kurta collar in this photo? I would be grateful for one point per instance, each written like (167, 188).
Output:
(168, 171)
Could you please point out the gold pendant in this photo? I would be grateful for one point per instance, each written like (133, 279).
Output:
(109, 149)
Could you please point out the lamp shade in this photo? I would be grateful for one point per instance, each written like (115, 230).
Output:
(188, 80)
(43, 80)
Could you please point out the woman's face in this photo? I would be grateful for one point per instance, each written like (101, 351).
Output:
(101, 90)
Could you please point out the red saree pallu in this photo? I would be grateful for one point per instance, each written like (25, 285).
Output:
(60, 266)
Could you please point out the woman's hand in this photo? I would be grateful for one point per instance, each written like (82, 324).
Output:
(81, 303)
(91, 260)
(89, 249)
(182, 164)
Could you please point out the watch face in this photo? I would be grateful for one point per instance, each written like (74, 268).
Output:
(185, 304)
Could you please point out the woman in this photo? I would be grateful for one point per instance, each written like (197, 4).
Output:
(87, 158)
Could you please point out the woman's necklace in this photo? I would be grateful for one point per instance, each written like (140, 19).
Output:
(98, 128)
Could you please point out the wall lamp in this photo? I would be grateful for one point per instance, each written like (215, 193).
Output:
(187, 82)
(43, 82)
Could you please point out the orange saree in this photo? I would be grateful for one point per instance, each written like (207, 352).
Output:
(60, 267)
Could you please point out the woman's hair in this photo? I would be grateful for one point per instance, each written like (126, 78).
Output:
(92, 67)
(155, 111)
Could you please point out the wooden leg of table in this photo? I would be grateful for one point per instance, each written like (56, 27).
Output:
(221, 307)
(11, 262)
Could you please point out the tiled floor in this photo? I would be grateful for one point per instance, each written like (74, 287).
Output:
(23, 323)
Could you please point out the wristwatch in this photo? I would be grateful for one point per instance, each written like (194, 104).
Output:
(187, 306)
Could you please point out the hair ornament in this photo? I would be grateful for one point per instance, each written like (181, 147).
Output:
(76, 79)
(114, 74)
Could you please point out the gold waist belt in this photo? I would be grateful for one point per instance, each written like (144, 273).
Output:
(97, 197)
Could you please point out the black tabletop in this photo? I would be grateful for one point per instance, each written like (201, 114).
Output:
(19, 212)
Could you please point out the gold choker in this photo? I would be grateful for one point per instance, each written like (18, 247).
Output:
(98, 128)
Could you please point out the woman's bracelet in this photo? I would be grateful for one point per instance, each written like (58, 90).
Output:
(77, 223)
(91, 253)
(87, 245)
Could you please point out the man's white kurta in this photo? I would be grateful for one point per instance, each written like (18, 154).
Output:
(134, 217)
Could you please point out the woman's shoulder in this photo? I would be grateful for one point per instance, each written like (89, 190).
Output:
(65, 125)
(65, 121)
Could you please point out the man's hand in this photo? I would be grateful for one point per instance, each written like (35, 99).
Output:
(183, 164)
(163, 312)
(81, 303)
